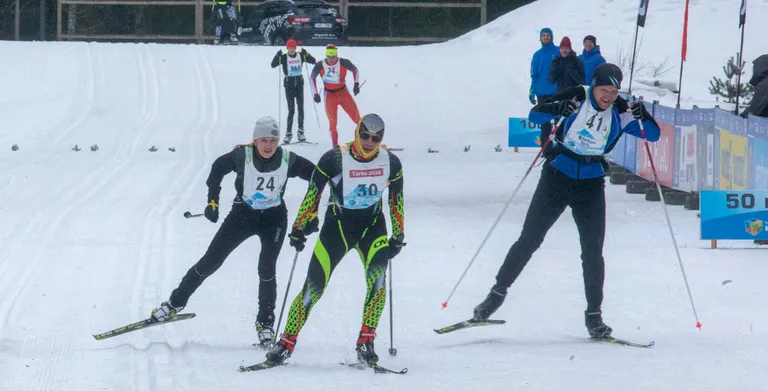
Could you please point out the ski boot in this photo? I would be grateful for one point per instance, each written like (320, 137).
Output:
(233, 39)
(288, 137)
(491, 303)
(165, 311)
(302, 138)
(216, 40)
(282, 350)
(595, 326)
(365, 352)
(264, 328)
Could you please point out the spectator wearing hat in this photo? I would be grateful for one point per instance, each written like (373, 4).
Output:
(292, 63)
(568, 69)
(591, 57)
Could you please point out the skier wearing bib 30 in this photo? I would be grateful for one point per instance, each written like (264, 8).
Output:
(333, 71)
(575, 178)
(358, 173)
(262, 169)
(293, 81)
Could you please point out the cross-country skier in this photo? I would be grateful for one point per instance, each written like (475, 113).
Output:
(225, 21)
(293, 81)
(333, 71)
(575, 178)
(262, 168)
(358, 173)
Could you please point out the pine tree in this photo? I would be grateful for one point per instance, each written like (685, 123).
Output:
(728, 87)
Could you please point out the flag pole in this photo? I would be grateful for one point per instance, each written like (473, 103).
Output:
(683, 54)
(632, 67)
(738, 80)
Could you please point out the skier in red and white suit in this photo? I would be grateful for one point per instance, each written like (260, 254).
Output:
(333, 71)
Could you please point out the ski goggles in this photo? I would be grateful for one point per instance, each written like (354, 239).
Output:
(365, 136)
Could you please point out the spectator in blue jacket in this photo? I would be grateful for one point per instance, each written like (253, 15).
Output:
(591, 57)
(541, 88)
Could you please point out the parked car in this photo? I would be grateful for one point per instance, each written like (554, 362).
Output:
(309, 22)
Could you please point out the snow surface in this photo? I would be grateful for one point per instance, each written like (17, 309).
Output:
(91, 241)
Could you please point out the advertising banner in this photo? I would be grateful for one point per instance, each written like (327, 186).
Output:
(687, 174)
(704, 120)
(663, 151)
(732, 151)
(758, 134)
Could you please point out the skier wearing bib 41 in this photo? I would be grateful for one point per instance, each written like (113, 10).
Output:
(358, 173)
(263, 169)
(575, 178)
(293, 81)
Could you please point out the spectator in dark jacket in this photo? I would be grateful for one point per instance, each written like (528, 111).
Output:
(759, 104)
(591, 57)
(567, 70)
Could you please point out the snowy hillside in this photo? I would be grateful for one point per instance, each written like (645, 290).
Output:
(93, 240)
(713, 37)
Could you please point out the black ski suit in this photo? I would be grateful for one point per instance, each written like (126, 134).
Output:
(243, 221)
(293, 81)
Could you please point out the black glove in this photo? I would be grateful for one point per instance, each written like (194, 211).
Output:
(212, 211)
(303, 52)
(563, 108)
(297, 239)
(317, 98)
(299, 236)
(639, 111)
(279, 52)
(356, 88)
(395, 245)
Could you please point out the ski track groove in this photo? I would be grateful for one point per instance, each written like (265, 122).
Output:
(155, 370)
(6, 262)
(90, 186)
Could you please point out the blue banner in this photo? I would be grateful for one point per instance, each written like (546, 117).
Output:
(524, 133)
(734, 214)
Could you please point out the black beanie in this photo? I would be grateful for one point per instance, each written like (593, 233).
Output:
(591, 38)
(607, 75)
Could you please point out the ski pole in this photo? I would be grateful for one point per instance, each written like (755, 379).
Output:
(514, 193)
(287, 289)
(392, 350)
(188, 215)
(314, 106)
(279, 105)
(669, 223)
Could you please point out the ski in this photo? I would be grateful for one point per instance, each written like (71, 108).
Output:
(624, 342)
(376, 367)
(141, 325)
(260, 366)
(467, 324)
(301, 143)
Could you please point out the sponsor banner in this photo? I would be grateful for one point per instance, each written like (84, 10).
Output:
(687, 178)
(663, 150)
(733, 165)
(758, 134)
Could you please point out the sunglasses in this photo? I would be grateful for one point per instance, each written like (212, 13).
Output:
(366, 136)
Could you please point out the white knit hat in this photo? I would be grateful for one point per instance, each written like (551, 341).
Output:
(266, 127)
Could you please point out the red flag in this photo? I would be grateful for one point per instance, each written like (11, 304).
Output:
(685, 31)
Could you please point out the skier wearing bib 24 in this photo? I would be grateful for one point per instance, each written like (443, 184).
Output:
(263, 169)
(575, 178)
(358, 173)
(333, 71)
(293, 82)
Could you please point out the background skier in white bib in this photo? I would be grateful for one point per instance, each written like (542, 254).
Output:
(263, 168)
(358, 173)
(574, 178)
(292, 63)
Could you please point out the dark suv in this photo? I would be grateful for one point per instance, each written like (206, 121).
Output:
(309, 22)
